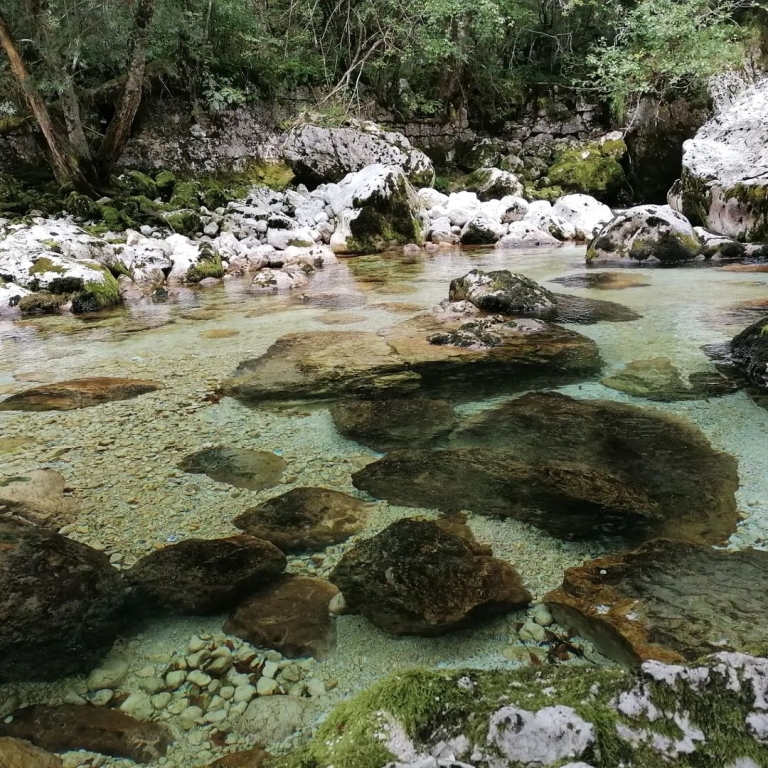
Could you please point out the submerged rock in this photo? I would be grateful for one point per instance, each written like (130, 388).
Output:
(291, 615)
(669, 600)
(610, 281)
(712, 714)
(206, 576)
(70, 727)
(249, 758)
(270, 719)
(305, 519)
(749, 351)
(15, 753)
(387, 423)
(253, 470)
(61, 604)
(38, 497)
(414, 578)
(78, 393)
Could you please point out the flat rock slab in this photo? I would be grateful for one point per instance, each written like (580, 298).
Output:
(305, 519)
(670, 601)
(78, 393)
(252, 470)
(416, 578)
(38, 497)
(61, 604)
(603, 281)
(332, 364)
(291, 616)
(200, 576)
(72, 727)
(660, 379)
(387, 423)
(21, 754)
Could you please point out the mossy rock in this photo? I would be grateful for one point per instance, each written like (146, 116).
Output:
(707, 715)
(185, 195)
(42, 303)
(213, 196)
(116, 220)
(97, 295)
(593, 170)
(184, 222)
(82, 206)
(140, 184)
(209, 265)
(43, 264)
(166, 184)
(550, 194)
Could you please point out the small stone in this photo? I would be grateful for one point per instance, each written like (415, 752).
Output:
(532, 632)
(196, 677)
(266, 686)
(219, 665)
(175, 678)
(196, 644)
(270, 669)
(196, 660)
(101, 698)
(338, 605)
(110, 675)
(227, 692)
(152, 685)
(147, 671)
(244, 693)
(315, 687)
(161, 700)
(216, 716)
(291, 673)
(541, 615)
(138, 705)
(297, 689)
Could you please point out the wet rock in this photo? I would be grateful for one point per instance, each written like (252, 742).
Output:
(660, 379)
(749, 351)
(669, 600)
(253, 470)
(661, 456)
(646, 232)
(71, 727)
(250, 758)
(207, 575)
(334, 364)
(414, 578)
(305, 519)
(38, 497)
(274, 718)
(383, 424)
(611, 281)
(61, 604)
(78, 393)
(291, 616)
(21, 754)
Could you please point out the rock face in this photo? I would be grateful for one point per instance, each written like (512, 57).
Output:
(711, 714)
(291, 616)
(305, 519)
(670, 601)
(78, 393)
(749, 350)
(38, 497)
(317, 155)
(345, 363)
(206, 576)
(724, 183)
(646, 232)
(95, 729)
(414, 578)
(253, 470)
(61, 604)
(22, 754)
(384, 424)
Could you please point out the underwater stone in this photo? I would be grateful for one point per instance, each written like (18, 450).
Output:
(38, 497)
(15, 753)
(749, 351)
(252, 470)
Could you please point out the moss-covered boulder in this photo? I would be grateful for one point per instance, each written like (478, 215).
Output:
(208, 264)
(42, 303)
(713, 714)
(749, 350)
(185, 222)
(593, 169)
(97, 294)
(139, 183)
(166, 184)
(185, 195)
(493, 184)
(82, 206)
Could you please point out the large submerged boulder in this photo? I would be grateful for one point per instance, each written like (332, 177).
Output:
(318, 154)
(724, 182)
(749, 350)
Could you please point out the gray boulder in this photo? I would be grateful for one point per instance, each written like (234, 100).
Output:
(504, 292)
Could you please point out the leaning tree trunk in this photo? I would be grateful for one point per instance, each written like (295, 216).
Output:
(119, 129)
(65, 167)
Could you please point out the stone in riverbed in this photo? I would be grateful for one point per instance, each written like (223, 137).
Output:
(252, 470)
(38, 497)
(250, 758)
(15, 753)
(271, 719)
(387, 423)
(290, 615)
(610, 281)
(749, 351)
(72, 727)
(61, 604)
(207, 575)
(305, 519)
(669, 600)
(78, 393)
(414, 578)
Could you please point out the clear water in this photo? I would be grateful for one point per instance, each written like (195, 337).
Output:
(121, 458)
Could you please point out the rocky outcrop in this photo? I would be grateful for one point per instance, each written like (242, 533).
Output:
(414, 578)
(724, 182)
(671, 601)
(749, 351)
(39, 497)
(240, 467)
(200, 576)
(291, 616)
(61, 604)
(318, 154)
(646, 232)
(712, 714)
(78, 393)
(305, 519)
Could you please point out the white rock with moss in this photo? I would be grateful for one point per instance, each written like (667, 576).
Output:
(524, 234)
(586, 215)
(541, 215)
(10, 295)
(493, 183)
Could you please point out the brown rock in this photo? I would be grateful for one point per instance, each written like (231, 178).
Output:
(305, 519)
(207, 575)
(22, 754)
(291, 615)
(95, 729)
(61, 604)
(78, 393)
(252, 470)
(669, 600)
(38, 497)
(413, 578)
(250, 758)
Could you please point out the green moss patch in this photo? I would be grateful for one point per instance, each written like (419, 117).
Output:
(593, 170)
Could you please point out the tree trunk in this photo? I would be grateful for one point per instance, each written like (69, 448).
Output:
(119, 129)
(65, 167)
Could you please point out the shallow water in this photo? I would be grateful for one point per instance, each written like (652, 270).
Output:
(121, 459)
